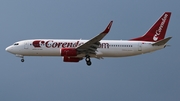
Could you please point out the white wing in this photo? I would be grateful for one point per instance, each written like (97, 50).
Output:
(91, 46)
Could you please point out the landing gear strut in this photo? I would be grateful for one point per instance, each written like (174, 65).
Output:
(88, 60)
(21, 56)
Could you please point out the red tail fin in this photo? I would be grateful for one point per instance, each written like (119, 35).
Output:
(158, 30)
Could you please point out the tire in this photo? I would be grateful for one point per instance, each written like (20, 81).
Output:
(88, 63)
(22, 60)
(88, 59)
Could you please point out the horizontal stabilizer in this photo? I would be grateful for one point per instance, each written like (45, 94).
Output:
(161, 42)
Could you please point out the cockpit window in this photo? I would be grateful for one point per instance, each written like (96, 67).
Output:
(16, 43)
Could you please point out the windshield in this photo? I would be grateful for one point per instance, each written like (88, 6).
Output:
(16, 43)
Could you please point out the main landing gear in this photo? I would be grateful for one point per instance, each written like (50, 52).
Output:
(88, 60)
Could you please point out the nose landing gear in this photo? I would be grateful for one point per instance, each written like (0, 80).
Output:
(22, 60)
(21, 56)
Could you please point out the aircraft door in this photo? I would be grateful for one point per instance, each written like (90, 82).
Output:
(139, 46)
(26, 45)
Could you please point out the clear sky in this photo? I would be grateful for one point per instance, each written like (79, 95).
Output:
(149, 77)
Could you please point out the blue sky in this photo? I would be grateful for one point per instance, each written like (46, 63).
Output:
(149, 77)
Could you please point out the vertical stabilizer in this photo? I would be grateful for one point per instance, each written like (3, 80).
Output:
(158, 30)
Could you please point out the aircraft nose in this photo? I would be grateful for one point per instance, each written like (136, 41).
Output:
(8, 49)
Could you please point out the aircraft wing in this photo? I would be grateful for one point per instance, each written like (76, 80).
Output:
(91, 46)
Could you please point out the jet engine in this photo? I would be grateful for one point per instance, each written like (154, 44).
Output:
(71, 59)
(68, 52)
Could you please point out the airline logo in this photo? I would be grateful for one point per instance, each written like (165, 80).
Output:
(53, 44)
(38, 43)
(158, 32)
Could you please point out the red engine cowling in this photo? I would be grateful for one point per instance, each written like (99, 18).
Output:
(68, 52)
(71, 59)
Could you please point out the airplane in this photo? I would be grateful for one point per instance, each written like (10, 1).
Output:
(77, 50)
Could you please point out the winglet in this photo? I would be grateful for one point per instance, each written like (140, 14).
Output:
(108, 28)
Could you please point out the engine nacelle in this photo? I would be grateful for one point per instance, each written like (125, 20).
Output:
(68, 52)
(71, 59)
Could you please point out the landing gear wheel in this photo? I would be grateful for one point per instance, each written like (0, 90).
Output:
(88, 60)
(88, 63)
(22, 60)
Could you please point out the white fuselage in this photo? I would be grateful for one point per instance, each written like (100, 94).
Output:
(107, 48)
(76, 50)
